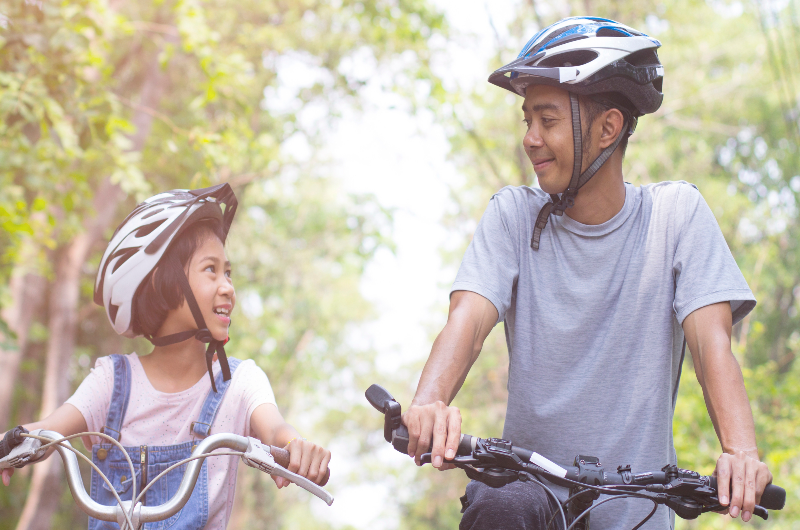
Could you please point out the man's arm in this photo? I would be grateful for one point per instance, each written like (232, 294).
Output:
(741, 477)
(429, 418)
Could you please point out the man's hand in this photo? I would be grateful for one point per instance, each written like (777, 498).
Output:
(435, 423)
(307, 460)
(741, 479)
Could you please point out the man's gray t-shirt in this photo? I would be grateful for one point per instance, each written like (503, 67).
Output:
(593, 323)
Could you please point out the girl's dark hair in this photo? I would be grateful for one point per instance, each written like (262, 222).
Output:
(161, 290)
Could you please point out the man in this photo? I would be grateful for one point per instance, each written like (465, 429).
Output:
(597, 302)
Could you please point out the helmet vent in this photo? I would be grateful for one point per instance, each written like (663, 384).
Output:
(112, 312)
(151, 214)
(124, 255)
(611, 32)
(643, 58)
(148, 228)
(574, 58)
(658, 84)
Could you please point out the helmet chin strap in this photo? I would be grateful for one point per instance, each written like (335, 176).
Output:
(202, 333)
(567, 199)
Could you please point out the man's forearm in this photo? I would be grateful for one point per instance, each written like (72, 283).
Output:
(454, 351)
(451, 357)
(728, 405)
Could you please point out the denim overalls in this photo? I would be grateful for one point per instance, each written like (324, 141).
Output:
(153, 459)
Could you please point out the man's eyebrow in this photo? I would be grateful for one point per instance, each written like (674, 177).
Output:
(540, 107)
(545, 106)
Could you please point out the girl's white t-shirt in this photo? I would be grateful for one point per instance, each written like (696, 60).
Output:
(159, 418)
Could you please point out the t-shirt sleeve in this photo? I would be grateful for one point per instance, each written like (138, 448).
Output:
(256, 389)
(704, 269)
(491, 263)
(93, 396)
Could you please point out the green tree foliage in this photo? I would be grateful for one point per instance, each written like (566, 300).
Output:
(729, 124)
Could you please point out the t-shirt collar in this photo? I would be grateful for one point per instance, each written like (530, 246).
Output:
(602, 229)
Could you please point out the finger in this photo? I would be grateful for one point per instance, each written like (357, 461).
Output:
(749, 500)
(723, 473)
(295, 455)
(425, 434)
(453, 433)
(324, 472)
(439, 436)
(411, 421)
(764, 477)
(7, 476)
(446, 466)
(306, 457)
(317, 454)
(279, 481)
(737, 486)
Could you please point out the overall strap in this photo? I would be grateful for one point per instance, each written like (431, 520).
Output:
(202, 426)
(119, 398)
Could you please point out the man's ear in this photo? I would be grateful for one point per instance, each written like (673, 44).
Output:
(611, 121)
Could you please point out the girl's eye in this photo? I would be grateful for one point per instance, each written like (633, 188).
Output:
(210, 267)
(228, 274)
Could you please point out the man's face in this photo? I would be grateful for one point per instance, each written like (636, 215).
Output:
(548, 140)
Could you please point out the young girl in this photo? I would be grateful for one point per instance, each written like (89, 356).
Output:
(165, 276)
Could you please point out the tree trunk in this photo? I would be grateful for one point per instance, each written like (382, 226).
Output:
(46, 486)
(27, 293)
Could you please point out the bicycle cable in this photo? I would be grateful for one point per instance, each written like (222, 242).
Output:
(173, 466)
(593, 506)
(651, 514)
(555, 498)
(94, 466)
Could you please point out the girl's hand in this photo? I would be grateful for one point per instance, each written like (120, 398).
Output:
(307, 460)
(7, 476)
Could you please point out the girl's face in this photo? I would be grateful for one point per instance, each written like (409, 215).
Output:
(209, 274)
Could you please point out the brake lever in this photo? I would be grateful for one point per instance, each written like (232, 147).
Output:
(27, 452)
(426, 458)
(758, 510)
(258, 456)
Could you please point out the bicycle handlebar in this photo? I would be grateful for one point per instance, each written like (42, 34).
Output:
(474, 454)
(269, 459)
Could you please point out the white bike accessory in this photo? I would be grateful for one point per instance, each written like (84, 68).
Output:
(258, 456)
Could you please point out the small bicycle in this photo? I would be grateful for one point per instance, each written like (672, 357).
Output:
(20, 448)
(497, 462)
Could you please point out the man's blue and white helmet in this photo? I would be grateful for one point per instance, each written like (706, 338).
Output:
(588, 56)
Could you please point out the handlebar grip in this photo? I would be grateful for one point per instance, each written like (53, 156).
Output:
(12, 439)
(400, 439)
(280, 455)
(773, 498)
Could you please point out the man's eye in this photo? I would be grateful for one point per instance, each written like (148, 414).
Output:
(527, 123)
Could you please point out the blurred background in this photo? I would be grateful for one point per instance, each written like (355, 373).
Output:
(363, 143)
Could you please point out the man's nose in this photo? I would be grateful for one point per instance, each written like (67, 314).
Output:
(532, 138)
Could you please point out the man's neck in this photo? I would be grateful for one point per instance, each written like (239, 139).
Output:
(602, 197)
